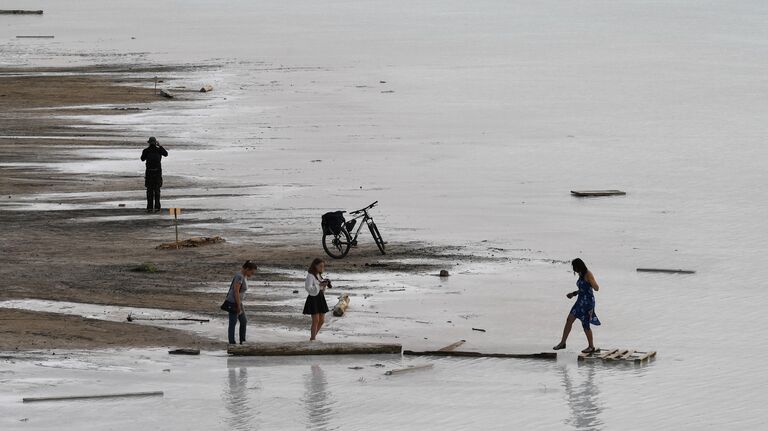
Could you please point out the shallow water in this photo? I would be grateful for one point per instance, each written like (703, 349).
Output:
(491, 112)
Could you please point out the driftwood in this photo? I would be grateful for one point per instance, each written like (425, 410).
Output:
(312, 348)
(184, 352)
(452, 347)
(131, 318)
(93, 397)
(543, 355)
(667, 271)
(408, 369)
(35, 37)
(341, 307)
(20, 12)
(594, 193)
(192, 242)
(206, 88)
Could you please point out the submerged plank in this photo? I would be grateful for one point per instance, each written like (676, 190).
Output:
(312, 348)
(93, 397)
(543, 355)
(667, 271)
(594, 193)
(408, 369)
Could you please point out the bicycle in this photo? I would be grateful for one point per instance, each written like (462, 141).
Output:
(337, 232)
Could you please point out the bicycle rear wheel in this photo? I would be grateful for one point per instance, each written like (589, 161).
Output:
(377, 237)
(337, 246)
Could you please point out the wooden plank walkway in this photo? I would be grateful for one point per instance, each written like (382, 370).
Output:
(620, 355)
(301, 348)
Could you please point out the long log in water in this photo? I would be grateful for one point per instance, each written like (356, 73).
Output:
(312, 348)
(92, 397)
(543, 355)
(20, 12)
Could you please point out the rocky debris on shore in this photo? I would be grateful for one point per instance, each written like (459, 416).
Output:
(197, 241)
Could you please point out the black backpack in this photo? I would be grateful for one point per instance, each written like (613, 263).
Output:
(332, 222)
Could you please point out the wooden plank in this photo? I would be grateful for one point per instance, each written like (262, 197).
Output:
(452, 347)
(626, 355)
(302, 348)
(600, 354)
(613, 356)
(184, 352)
(20, 12)
(458, 353)
(667, 271)
(596, 193)
(644, 356)
(93, 397)
(408, 369)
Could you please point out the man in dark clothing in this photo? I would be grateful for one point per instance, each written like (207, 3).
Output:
(153, 178)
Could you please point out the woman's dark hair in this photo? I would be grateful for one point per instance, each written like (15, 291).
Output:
(313, 266)
(579, 267)
(249, 264)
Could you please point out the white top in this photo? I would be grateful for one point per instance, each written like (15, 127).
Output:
(312, 284)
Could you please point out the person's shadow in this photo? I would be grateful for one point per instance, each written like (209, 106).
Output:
(237, 402)
(318, 400)
(583, 399)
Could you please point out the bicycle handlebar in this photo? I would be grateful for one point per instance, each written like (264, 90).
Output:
(364, 209)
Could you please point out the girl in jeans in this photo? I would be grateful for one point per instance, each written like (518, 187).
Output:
(235, 297)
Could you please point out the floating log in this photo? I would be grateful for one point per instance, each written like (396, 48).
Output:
(618, 355)
(478, 329)
(20, 12)
(93, 397)
(452, 347)
(191, 352)
(206, 88)
(594, 193)
(302, 348)
(341, 307)
(35, 37)
(408, 369)
(543, 355)
(667, 271)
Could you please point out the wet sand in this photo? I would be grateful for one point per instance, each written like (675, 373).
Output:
(88, 255)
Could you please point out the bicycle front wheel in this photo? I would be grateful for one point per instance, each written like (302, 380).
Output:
(377, 237)
(337, 246)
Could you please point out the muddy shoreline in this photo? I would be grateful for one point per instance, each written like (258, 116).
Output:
(88, 255)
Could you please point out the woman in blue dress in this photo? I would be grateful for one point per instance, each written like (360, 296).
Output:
(584, 308)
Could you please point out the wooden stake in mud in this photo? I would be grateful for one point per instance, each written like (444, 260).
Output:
(175, 212)
(155, 85)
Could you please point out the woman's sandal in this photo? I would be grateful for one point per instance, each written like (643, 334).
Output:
(559, 346)
(590, 350)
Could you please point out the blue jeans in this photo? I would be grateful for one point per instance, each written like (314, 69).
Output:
(233, 318)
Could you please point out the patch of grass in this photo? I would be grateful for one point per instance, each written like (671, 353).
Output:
(145, 267)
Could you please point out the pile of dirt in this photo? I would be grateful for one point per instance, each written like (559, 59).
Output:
(196, 241)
